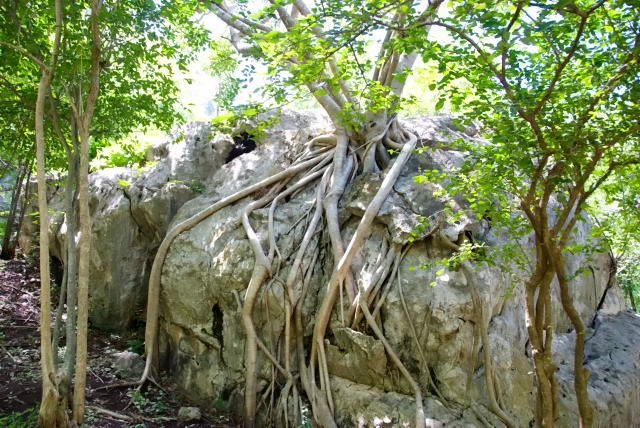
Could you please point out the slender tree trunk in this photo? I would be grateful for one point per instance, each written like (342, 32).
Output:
(539, 328)
(25, 202)
(8, 249)
(84, 246)
(629, 289)
(51, 414)
(83, 283)
(72, 271)
(581, 374)
(69, 281)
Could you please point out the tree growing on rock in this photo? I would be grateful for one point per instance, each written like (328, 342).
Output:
(322, 50)
(556, 84)
(561, 138)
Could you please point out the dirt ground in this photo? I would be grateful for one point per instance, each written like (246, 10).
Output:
(20, 387)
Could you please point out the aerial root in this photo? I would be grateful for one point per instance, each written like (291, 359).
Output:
(420, 416)
(344, 262)
(379, 276)
(386, 286)
(482, 322)
(423, 358)
(153, 297)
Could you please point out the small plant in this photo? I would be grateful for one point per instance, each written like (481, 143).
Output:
(154, 405)
(123, 183)
(221, 404)
(91, 416)
(26, 418)
(136, 345)
(196, 186)
(139, 401)
(306, 421)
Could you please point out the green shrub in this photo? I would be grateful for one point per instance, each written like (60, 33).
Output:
(24, 419)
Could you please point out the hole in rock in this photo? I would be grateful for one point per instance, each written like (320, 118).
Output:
(243, 143)
(57, 270)
(217, 323)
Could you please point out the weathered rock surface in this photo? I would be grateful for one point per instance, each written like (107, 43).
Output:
(613, 358)
(189, 414)
(130, 213)
(128, 364)
(208, 268)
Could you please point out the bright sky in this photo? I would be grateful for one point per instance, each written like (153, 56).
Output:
(199, 95)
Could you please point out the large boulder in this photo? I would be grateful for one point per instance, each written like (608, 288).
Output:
(208, 268)
(427, 311)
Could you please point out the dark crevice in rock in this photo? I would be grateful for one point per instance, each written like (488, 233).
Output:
(610, 284)
(57, 270)
(217, 323)
(133, 217)
(242, 144)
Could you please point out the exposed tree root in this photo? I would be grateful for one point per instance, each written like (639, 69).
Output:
(423, 358)
(482, 322)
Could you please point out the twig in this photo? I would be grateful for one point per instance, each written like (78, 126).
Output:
(150, 419)
(95, 374)
(111, 413)
(117, 385)
(9, 354)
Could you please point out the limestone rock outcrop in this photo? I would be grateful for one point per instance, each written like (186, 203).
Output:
(208, 267)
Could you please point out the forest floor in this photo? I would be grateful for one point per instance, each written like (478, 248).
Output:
(20, 385)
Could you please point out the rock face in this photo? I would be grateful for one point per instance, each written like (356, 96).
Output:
(130, 213)
(128, 364)
(208, 268)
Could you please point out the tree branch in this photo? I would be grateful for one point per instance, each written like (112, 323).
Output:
(611, 84)
(562, 66)
(506, 34)
(26, 53)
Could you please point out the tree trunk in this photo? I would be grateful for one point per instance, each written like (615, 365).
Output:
(83, 282)
(629, 289)
(539, 328)
(8, 250)
(84, 246)
(72, 271)
(581, 374)
(23, 209)
(51, 414)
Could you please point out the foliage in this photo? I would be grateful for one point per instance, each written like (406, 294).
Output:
(23, 419)
(121, 154)
(507, 161)
(129, 151)
(136, 345)
(545, 121)
(617, 209)
(144, 43)
(155, 405)
(223, 64)
(320, 51)
(196, 186)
